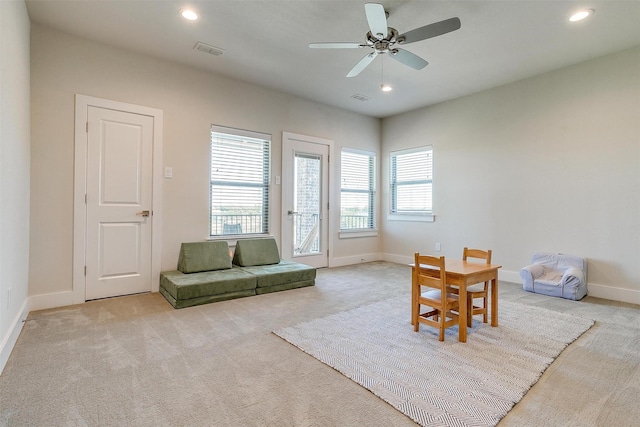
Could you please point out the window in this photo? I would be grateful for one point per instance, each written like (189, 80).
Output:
(357, 190)
(411, 182)
(239, 185)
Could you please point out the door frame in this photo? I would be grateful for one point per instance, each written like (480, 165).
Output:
(82, 104)
(290, 136)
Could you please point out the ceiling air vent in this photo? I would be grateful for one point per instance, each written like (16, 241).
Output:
(360, 97)
(207, 48)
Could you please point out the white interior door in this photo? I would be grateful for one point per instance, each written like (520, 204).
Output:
(118, 202)
(305, 199)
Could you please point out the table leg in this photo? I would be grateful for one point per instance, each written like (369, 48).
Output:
(462, 313)
(494, 301)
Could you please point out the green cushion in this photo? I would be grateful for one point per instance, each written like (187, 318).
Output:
(284, 287)
(204, 256)
(251, 252)
(282, 273)
(205, 300)
(195, 285)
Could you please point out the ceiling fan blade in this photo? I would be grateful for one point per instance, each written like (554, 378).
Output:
(409, 59)
(377, 19)
(431, 30)
(336, 45)
(362, 64)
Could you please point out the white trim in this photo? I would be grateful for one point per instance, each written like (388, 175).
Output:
(9, 341)
(52, 300)
(398, 259)
(409, 217)
(79, 188)
(354, 259)
(613, 293)
(354, 234)
(290, 136)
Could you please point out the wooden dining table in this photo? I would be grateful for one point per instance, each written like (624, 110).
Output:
(462, 274)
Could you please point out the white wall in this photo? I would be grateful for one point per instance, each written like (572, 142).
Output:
(551, 163)
(63, 65)
(14, 172)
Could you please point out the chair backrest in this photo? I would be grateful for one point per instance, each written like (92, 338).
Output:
(477, 253)
(430, 272)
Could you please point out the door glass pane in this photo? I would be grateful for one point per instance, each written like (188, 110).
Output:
(306, 216)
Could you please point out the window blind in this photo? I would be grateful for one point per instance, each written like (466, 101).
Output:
(411, 181)
(239, 184)
(357, 190)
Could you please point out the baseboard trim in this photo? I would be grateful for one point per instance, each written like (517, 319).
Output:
(9, 341)
(612, 293)
(52, 300)
(354, 259)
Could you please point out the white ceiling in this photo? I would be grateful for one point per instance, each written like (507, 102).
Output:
(266, 42)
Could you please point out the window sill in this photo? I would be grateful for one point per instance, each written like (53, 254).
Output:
(353, 234)
(414, 218)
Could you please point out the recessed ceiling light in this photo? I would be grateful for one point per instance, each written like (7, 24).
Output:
(583, 14)
(189, 14)
(386, 88)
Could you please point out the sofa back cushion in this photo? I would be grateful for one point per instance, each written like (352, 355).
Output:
(252, 252)
(559, 262)
(204, 256)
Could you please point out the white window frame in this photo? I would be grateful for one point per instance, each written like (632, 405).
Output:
(264, 185)
(414, 215)
(369, 231)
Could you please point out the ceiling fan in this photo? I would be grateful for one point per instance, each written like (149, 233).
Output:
(383, 39)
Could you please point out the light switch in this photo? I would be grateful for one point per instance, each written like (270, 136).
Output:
(277, 179)
(168, 172)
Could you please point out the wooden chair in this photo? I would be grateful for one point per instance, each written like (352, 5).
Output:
(430, 272)
(477, 291)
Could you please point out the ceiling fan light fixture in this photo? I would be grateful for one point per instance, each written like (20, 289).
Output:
(581, 15)
(189, 15)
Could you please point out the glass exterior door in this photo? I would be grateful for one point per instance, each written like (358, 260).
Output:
(307, 180)
(305, 197)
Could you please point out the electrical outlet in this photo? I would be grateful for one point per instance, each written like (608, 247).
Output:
(438, 247)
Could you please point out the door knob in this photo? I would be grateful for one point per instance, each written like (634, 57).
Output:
(143, 213)
(292, 213)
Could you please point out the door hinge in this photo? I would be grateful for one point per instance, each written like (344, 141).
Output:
(85, 270)
(87, 127)
(85, 198)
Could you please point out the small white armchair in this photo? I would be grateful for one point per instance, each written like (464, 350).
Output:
(557, 275)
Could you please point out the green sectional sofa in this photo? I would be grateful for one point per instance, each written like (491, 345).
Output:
(206, 273)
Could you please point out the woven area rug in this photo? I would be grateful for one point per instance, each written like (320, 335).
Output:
(440, 383)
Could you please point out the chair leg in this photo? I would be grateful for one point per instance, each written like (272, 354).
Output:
(469, 312)
(441, 319)
(486, 310)
(485, 301)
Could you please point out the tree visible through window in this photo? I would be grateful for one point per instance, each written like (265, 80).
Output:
(239, 185)
(411, 181)
(357, 190)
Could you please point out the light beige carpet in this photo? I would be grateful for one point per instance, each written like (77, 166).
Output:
(440, 383)
(135, 361)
